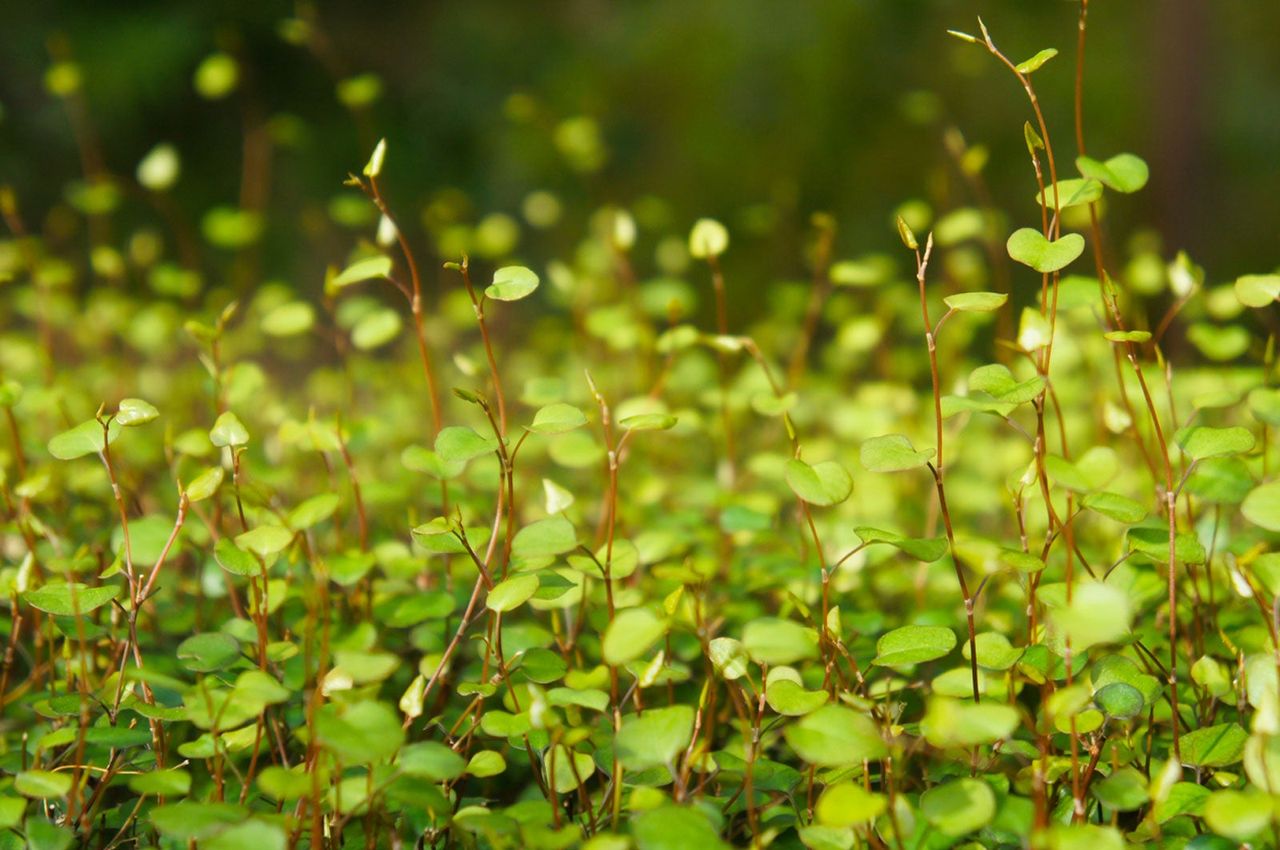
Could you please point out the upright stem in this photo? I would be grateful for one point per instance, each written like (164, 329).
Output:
(722, 328)
(478, 305)
(415, 305)
(939, 469)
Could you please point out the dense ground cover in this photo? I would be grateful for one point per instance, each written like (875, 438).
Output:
(944, 550)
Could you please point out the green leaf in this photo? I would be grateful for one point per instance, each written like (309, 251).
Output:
(135, 411)
(825, 483)
(289, 319)
(511, 283)
(708, 238)
(836, 736)
(913, 645)
(847, 804)
(458, 444)
(512, 593)
(189, 822)
(1036, 62)
(486, 763)
(567, 768)
(1153, 541)
(174, 782)
(1127, 336)
(1113, 505)
(648, 422)
(281, 783)
(892, 453)
(249, 833)
(419, 459)
(205, 484)
(1214, 746)
(438, 536)
(208, 652)
(1123, 172)
(976, 302)
(960, 723)
(922, 549)
(545, 538)
(1023, 562)
(786, 694)
(1071, 192)
(369, 268)
(1258, 290)
(1239, 815)
(557, 419)
(994, 651)
(85, 439)
(313, 511)
(228, 430)
(654, 738)
(998, 382)
(373, 168)
(265, 540)
(1264, 404)
(773, 641)
(235, 560)
(729, 657)
(1199, 441)
(1120, 699)
(1029, 247)
(42, 784)
(376, 328)
(1085, 836)
(230, 228)
(1125, 790)
(359, 733)
(216, 76)
(1262, 506)
(905, 233)
(1098, 613)
(669, 827)
(630, 634)
(959, 807)
(66, 599)
(432, 761)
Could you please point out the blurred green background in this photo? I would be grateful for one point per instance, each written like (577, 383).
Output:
(757, 112)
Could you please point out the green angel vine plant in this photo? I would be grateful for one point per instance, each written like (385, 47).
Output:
(574, 567)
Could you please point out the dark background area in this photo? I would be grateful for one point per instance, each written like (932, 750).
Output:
(757, 112)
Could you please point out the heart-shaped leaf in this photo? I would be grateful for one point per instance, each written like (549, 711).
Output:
(913, 645)
(511, 283)
(976, 302)
(836, 736)
(135, 411)
(1029, 247)
(458, 444)
(369, 268)
(1258, 290)
(922, 549)
(512, 593)
(65, 599)
(825, 483)
(85, 439)
(557, 418)
(892, 453)
(1123, 172)
(1200, 441)
(1262, 506)
(1070, 192)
